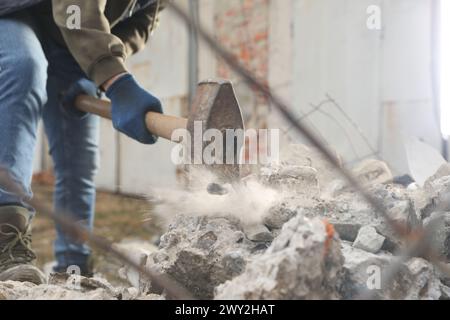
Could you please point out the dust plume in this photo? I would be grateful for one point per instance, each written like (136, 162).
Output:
(248, 200)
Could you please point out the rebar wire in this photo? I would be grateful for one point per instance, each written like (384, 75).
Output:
(284, 109)
(172, 289)
(352, 123)
(421, 246)
(400, 229)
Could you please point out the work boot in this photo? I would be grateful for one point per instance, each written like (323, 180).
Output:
(85, 264)
(16, 256)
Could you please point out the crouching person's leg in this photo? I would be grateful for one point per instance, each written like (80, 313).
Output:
(73, 141)
(23, 73)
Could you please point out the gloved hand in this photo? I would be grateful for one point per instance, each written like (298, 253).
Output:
(130, 104)
(80, 87)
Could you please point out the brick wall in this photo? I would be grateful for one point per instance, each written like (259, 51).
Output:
(242, 26)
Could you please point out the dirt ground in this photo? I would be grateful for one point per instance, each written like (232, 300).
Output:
(117, 218)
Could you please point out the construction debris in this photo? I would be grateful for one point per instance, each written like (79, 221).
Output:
(369, 240)
(373, 171)
(302, 155)
(303, 262)
(312, 238)
(417, 278)
(65, 287)
(202, 253)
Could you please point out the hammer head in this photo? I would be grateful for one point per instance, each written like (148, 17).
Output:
(215, 106)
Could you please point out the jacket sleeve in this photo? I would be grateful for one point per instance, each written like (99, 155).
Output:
(100, 54)
(135, 31)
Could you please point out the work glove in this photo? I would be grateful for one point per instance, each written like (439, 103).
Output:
(80, 87)
(130, 104)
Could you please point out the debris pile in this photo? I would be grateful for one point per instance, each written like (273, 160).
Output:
(303, 262)
(202, 253)
(310, 237)
(73, 287)
(292, 254)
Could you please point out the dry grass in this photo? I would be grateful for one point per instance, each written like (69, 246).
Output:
(117, 218)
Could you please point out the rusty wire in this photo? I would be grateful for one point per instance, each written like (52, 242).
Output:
(283, 108)
(421, 242)
(163, 283)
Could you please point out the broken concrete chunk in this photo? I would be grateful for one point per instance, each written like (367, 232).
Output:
(302, 155)
(26, 291)
(279, 215)
(369, 240)
(439, 197)
(258, 233)
(400, 208)
(443, 171)
(80, 283)
(201, 253)
(299, 179)
(302, 263)
(137, 251)
(416, 280)
(440, 237)
(445, 292)
(373, 171)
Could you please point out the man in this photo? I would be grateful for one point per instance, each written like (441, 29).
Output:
(42, 58)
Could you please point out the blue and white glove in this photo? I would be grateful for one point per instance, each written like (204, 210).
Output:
(130, 104)
(80, 87)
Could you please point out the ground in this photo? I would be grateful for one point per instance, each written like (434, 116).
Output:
(118, 218)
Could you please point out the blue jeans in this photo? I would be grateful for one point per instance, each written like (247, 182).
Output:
(33, 72)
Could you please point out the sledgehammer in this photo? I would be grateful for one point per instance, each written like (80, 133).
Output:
(215, 105)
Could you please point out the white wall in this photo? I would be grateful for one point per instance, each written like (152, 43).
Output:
(381, 79)
(130, 167)
(162, 68)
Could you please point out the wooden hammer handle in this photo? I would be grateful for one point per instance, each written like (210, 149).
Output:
(158, 124)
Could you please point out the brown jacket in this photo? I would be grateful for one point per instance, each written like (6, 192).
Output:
(105, 38)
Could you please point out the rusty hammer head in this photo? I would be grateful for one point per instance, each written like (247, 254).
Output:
(215, 106)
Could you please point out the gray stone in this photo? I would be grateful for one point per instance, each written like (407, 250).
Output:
(445, 278)
(258, 233)
(137, 251)
(301, 180)
(348, 213)
(280, 214)
(440, 237)
(416, 279)
(443, 171)
(26, 291)
(373, 171)
(369, 240)
(303, 262)
(445, 292)
(438, 192)
(302, 155)
(201, 253)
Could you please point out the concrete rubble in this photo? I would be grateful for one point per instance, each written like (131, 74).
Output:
(369, 240)
(65, 287)
(202, 253)
(416, 279)
(303, 262)
(319, 240)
